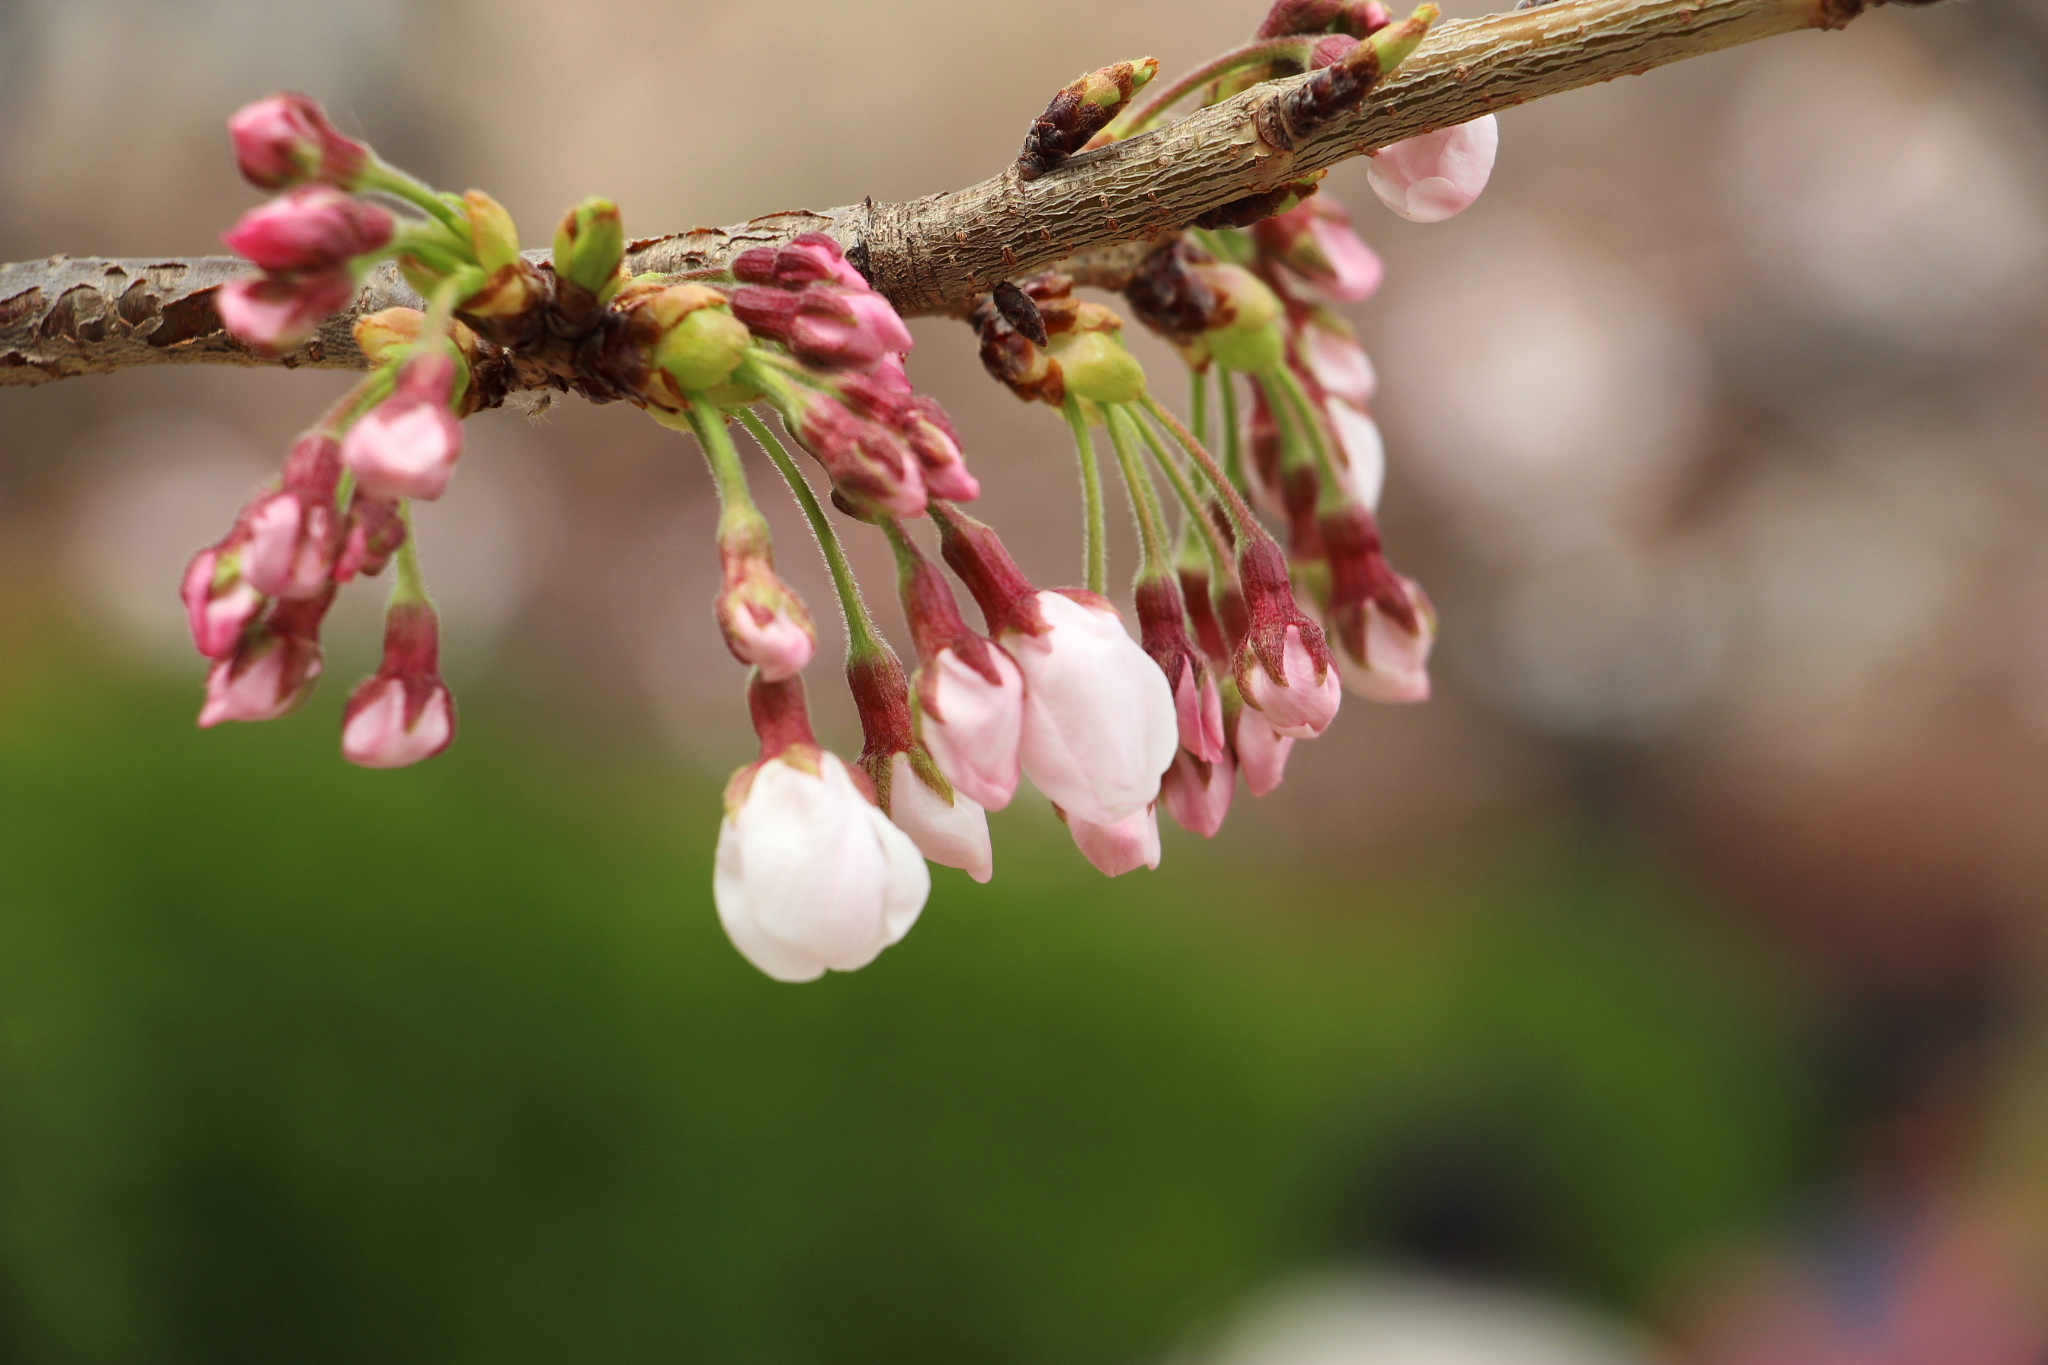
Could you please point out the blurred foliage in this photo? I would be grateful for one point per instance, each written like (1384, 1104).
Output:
(303, 1062)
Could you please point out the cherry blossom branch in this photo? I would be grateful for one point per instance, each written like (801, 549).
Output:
(1093, 216)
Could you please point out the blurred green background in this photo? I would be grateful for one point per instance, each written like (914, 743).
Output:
(302, 1062)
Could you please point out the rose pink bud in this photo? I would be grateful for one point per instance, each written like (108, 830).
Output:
(1381, 622)
(315, 227)
(1119, 846)
(1283, 668)
(1302, 701)
(1430, 178)
(1099, 720)
(407, 446)
(295, 534)
(951, 831)
(1198, 705)
(883, 395)
(273, 667)
(810, 874)
(764, 623)
(1261, 751)
(1289, 17)
(1361, 18)
(286, 140)
(972, 723)
(870, 465)
(1197, 794)
(405, 713)
(373, 533)
(1315, 239)
(280, 311)
(808, 258)
(827, 251)
(219, 599)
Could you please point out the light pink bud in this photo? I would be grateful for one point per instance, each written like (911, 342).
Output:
(1335, 360)
(380, 734)
(1433, 177)
(1199, 708)
(1303, 703)
(1099, 720)
(273, 667)
(315, 227)
(772, 641)
(292, 545)
(373, 533)
(219, 600)
(408, 445)
(1395, 667)
(1119, 846)
(1364, 452)
(870, 465)
(951, 833)
(1197, 794)
(286, 140)
(1316, 240)
(972, 726)
(810, 875)
(1261, 751)
(279, 311)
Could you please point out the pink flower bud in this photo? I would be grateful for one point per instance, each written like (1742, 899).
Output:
(315, 227)
(405, 713)
(1099, 719)
(1288, 17)
(1364, 453)
(280, 311)
(1198, 705)
(1361, 18)
(372, 534)
(870, 465)
(295, 534)
(1315, 239)
(951, 832)
(286, 140)
(970, 717)
(764, 623)
(1334, 357)
(1331, 50)
(1382, 622)
(1283, 668)
(1119, 846)
(407, 446)
(808, 258)
(1261, 751)
(884, 395)
(1197, 794)
(1430, 178)
(810, 875)
(273, 667)
(1302, 699)
(219, 599)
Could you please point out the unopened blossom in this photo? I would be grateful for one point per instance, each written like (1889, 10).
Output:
(315, 227)
(1363, 452)
(884, 395)
(809, 298)
(1197, 793)
(1334, 358)
(407, 446)
(286, 140)
(371, 534)
(967, 700)
(1283, 668)
(1316, 240)
(1301, 702)
(220, 601)
(273, 667)
(764, 623)
(1261, 751)
(810, 875)
(295, 534)
(1119, 846)
(871, 467)
(1198, 704)
(949, 830)
(1393, 664)
(405, 713)
(280, 311)
(1430, 178)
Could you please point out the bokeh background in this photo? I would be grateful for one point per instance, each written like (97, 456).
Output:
(1668, 989)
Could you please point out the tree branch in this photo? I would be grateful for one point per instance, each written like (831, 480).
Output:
(1093, 215)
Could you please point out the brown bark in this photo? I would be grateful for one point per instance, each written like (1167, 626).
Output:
(67, 316)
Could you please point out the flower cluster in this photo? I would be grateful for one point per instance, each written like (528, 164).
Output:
(821, 861)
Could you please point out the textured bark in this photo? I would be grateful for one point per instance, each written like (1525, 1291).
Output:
(1093, 215)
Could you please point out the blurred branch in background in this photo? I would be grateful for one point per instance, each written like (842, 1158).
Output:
(935, 255)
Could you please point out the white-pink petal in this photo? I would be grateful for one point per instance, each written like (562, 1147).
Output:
(1304, 705)
(1430, 178)
(1119, 846)
(973, 727)
(950, 833)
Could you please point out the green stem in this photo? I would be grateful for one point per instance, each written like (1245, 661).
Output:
(380, 175)
(735, 499)
(1198, 514)
(1097, 551)
(1335, 493)
(408, 584)
(1198, 403)
(1233, 458)
(1247, 525)
(862, 639)
(1140, 117)
(1158, 560)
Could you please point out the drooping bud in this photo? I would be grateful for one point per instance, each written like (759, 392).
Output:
(276, 312)
(492, 232)
(948, 826)
(220, 601)
(590, 245)
(407, 446)
(295, 534)
(1080, 111)
(1382, 623)
(1283, 668)
(405, 713)
(1261, 750)
(371, 534)
(1317, 241)
(1435, 176)
(1118, 846)
(1333, 356)
(764, 623)
(1197, 794)
(286, 140)
(883, 394)
(273, 667)
(968, 696)
(1198, 705)
(315, 227)
(872, 469)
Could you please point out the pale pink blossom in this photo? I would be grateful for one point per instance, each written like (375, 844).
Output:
(951, 833)
(972, 726)
(1365, 452)
(1396, 663)
(1198, 707)
(407, 446)
(220, 601)
(315, 227)
(810, 875)
(1261, 751)
(379, 733)
(1302, 704)
(279, 311)
(1099, 720)
(1197, 793)
(771, 640)
(1119, 846)
(1430, 178)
